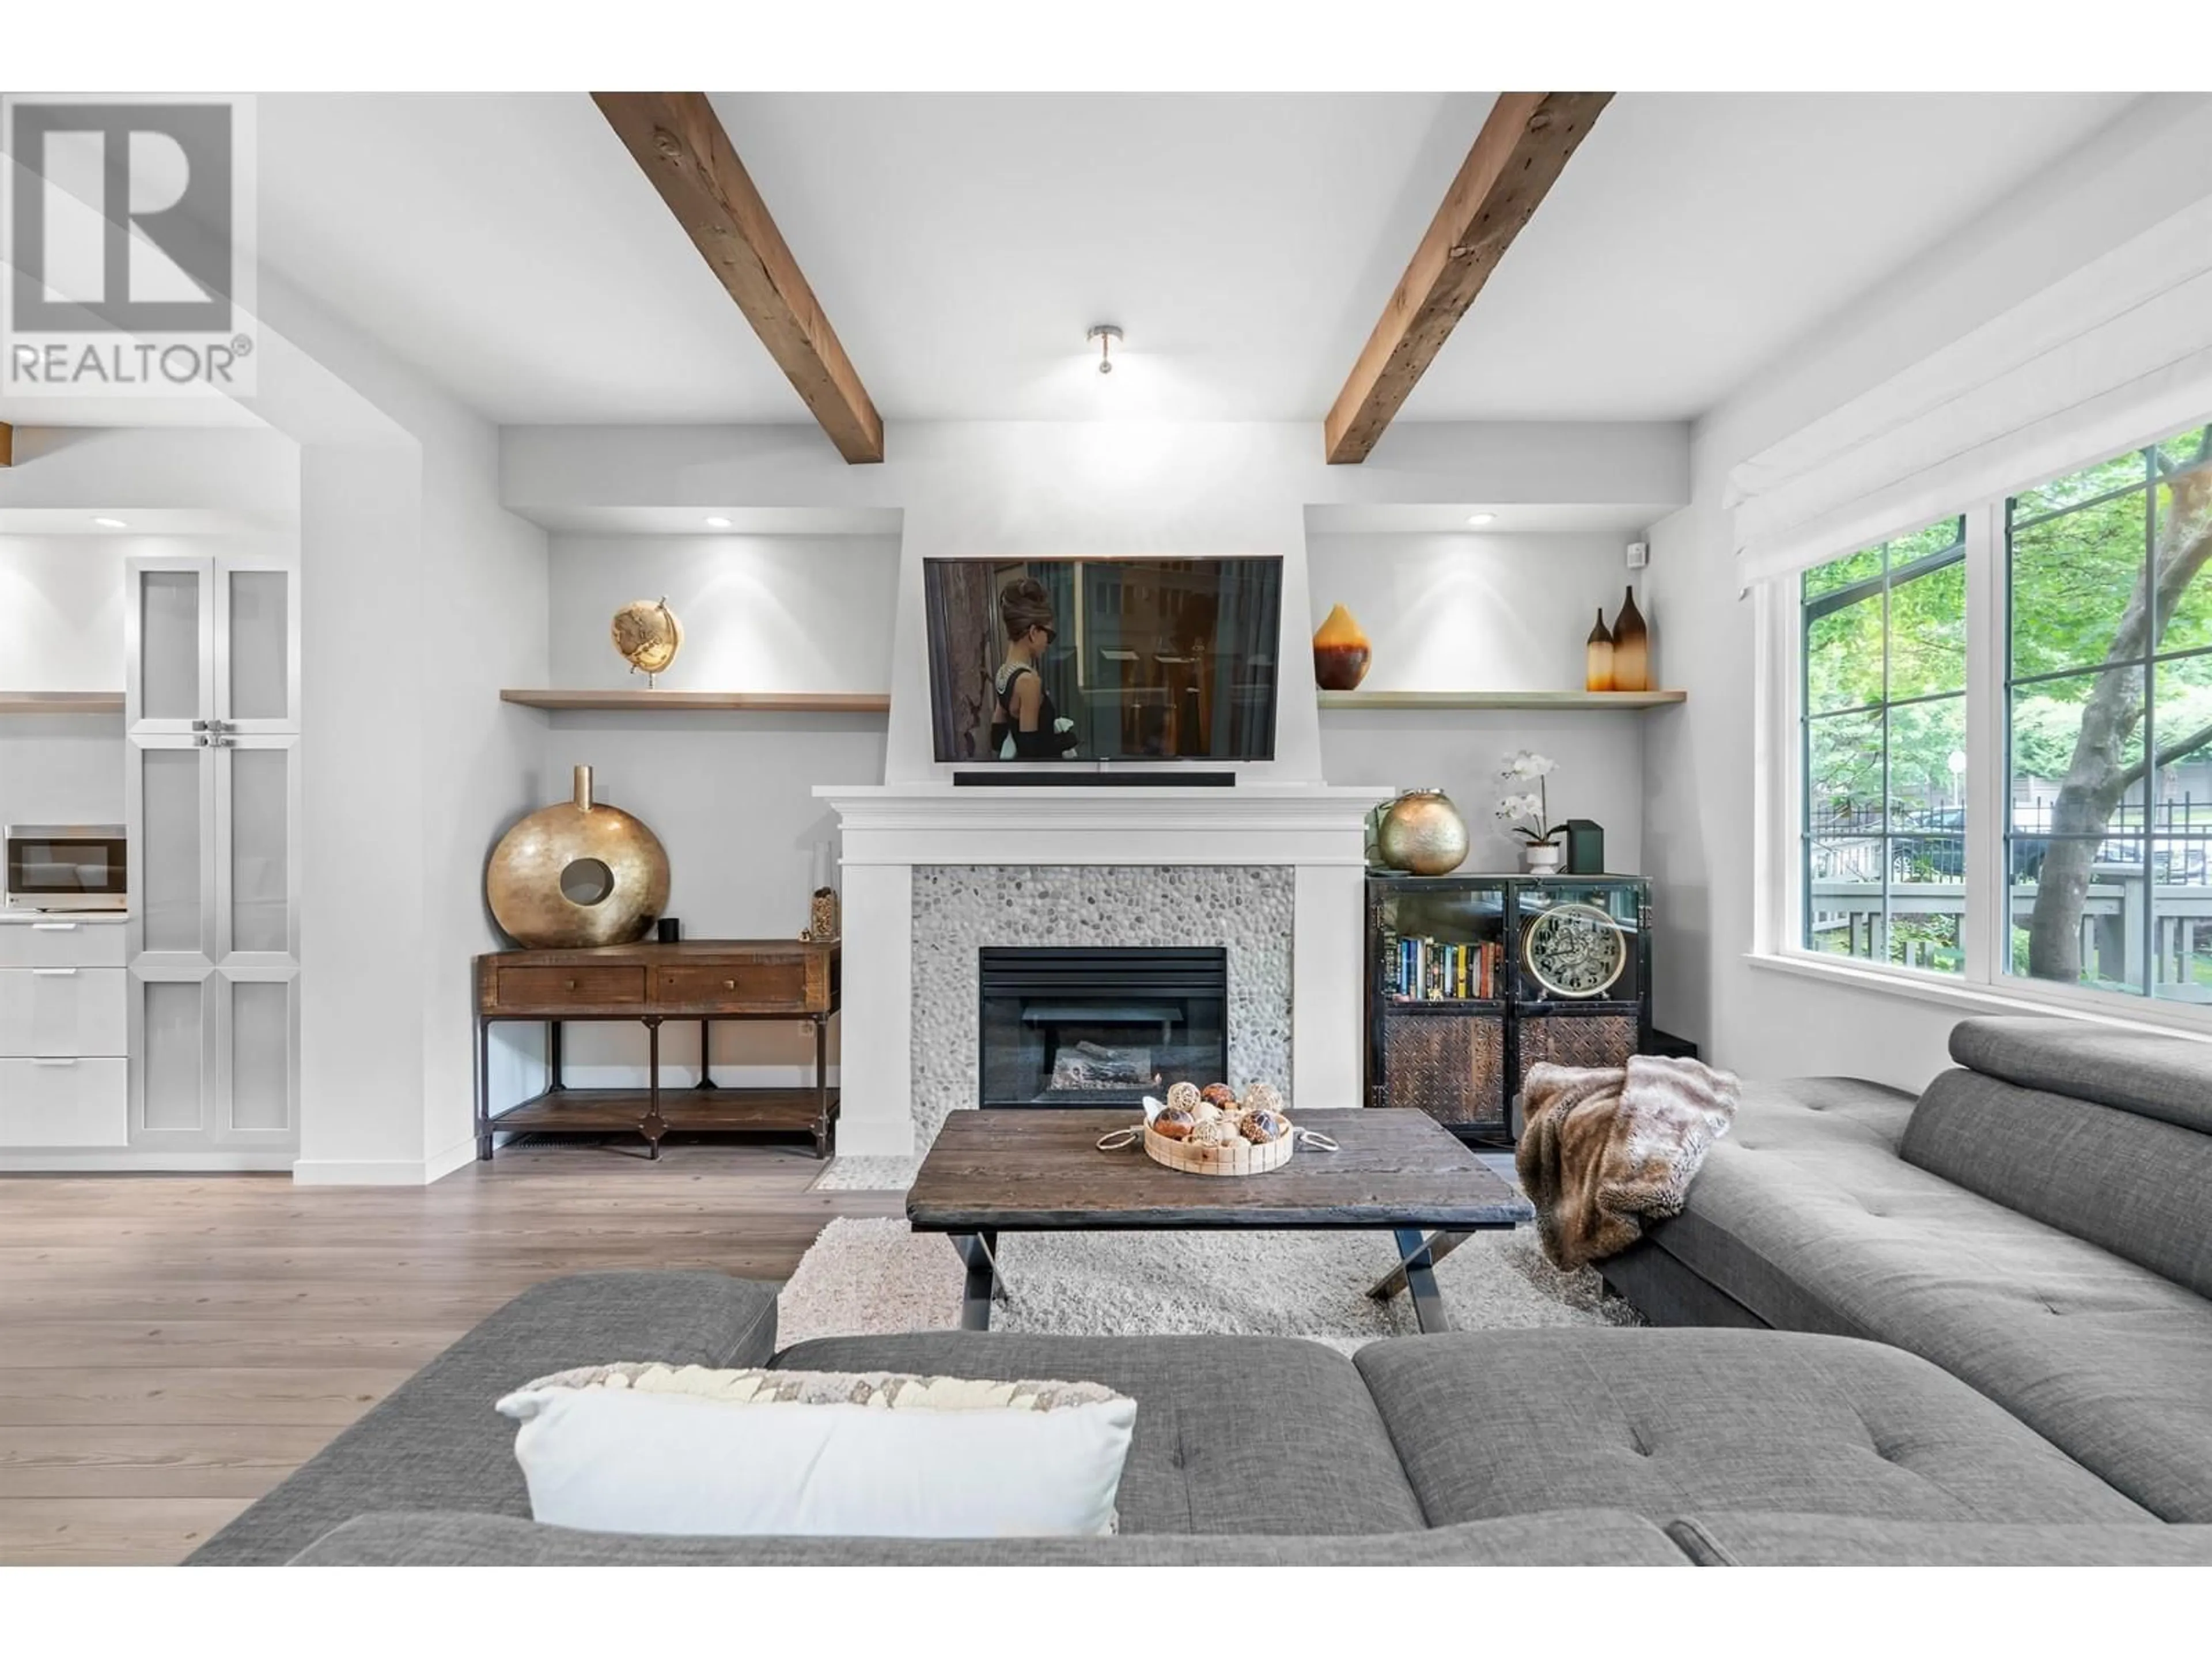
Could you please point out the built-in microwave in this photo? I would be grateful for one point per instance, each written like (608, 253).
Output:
(67, 866)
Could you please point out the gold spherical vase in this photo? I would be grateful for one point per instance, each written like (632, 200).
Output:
(577, 873)
(1423, 834)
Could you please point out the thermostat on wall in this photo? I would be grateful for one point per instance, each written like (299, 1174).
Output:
(1640, 554)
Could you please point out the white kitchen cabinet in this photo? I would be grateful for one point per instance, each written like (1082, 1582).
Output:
(213, 803)
(60, 942)
(64, 1011)
(65, 1102)
(69, 1011)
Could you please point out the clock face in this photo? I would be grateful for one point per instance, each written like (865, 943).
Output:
(1575, 950)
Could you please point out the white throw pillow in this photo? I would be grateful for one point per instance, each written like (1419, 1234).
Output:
(643, 1448)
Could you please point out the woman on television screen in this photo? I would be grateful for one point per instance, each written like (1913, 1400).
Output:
(1028, 728)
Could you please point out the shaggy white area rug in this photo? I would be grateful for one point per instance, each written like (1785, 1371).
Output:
(872, 1278)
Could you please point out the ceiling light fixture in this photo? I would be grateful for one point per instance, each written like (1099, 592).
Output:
(1109, 335)
(716, 521)
(1480, 518)
(105, 523)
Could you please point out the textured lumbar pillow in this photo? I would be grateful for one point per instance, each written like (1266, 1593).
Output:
(650, 1448)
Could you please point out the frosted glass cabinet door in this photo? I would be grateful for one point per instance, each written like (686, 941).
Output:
(256, 651)
(171, 849)
(170, 644)
(172, 1062)
(259, 818)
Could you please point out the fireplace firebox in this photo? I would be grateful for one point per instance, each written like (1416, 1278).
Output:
(1103, 1026)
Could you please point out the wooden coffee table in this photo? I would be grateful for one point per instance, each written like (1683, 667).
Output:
(1039, 1170)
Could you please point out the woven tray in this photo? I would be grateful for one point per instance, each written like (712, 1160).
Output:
(1239, 1158)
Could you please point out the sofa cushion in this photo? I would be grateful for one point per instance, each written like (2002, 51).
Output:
(436, 1443)
(1819, 1231)
(1778, 1172)
(1578, 1538)
(1235, 1434)
(1670, 1422)
(2168, 1078)
(1836, 1540)
(2139, 1187)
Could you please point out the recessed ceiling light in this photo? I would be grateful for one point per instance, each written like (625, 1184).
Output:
(1480, 518)
(105, 523)
(716, 521)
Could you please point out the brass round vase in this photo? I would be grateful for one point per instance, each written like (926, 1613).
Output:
(577, 873)
(1422, 833)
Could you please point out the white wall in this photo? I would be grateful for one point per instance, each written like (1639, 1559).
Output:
(61, 609)
(1699, 757)
(421, 597)
(760, 613)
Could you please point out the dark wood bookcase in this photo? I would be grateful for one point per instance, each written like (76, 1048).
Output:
(1568, 982)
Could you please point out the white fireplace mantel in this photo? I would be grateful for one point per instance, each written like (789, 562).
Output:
(888, 830)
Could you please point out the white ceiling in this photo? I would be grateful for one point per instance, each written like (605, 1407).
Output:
(961, 244)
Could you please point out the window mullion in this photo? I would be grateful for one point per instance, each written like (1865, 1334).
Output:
(1985, 932)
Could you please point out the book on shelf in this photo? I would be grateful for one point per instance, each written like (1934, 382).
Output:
(1421, 968)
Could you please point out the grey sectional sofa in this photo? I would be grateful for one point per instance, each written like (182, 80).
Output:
(2037, 1222)
(1663, 1447)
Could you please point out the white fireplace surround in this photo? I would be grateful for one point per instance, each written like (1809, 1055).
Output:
(888, 830)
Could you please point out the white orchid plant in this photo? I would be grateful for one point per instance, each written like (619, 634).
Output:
(1526, 813)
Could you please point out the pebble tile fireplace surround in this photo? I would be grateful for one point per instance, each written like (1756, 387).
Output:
(933, 876)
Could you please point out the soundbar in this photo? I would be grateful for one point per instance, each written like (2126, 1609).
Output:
(1063, 779)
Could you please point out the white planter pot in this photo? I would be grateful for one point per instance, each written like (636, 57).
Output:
(1542, 861)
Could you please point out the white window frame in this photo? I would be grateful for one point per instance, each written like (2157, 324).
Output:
(1778, 911)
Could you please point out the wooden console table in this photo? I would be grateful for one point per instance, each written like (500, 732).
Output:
(701, 980)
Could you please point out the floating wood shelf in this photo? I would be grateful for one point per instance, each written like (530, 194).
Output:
(1500, 699)
(61, 702)
(825, 703)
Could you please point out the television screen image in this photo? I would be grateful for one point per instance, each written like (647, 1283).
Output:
(1044, 661)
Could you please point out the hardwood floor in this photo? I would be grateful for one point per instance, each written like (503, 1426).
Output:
(172, 1346)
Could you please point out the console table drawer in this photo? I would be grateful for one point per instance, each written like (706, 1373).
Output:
(741, 984)
(567, 987)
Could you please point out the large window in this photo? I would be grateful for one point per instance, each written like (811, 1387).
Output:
(1884, 751)
(2108, 692)
(2086, 857)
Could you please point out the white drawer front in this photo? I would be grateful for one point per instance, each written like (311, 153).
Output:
(61, 943)
(72, 1102)
(62, 1011)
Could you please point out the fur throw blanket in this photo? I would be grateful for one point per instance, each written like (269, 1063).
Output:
(1603, 1151)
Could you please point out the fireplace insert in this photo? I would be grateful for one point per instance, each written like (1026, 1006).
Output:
(1102, 1026)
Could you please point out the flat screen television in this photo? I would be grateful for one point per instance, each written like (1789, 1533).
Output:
(1131, 659)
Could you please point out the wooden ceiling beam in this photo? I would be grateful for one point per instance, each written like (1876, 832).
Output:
(678, 141)
(1517, 156)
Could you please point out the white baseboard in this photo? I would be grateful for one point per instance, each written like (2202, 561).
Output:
(387, 1172)
(458, 1156)
(145, 1163)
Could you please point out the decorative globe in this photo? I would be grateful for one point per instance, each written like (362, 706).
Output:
(648, 635)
